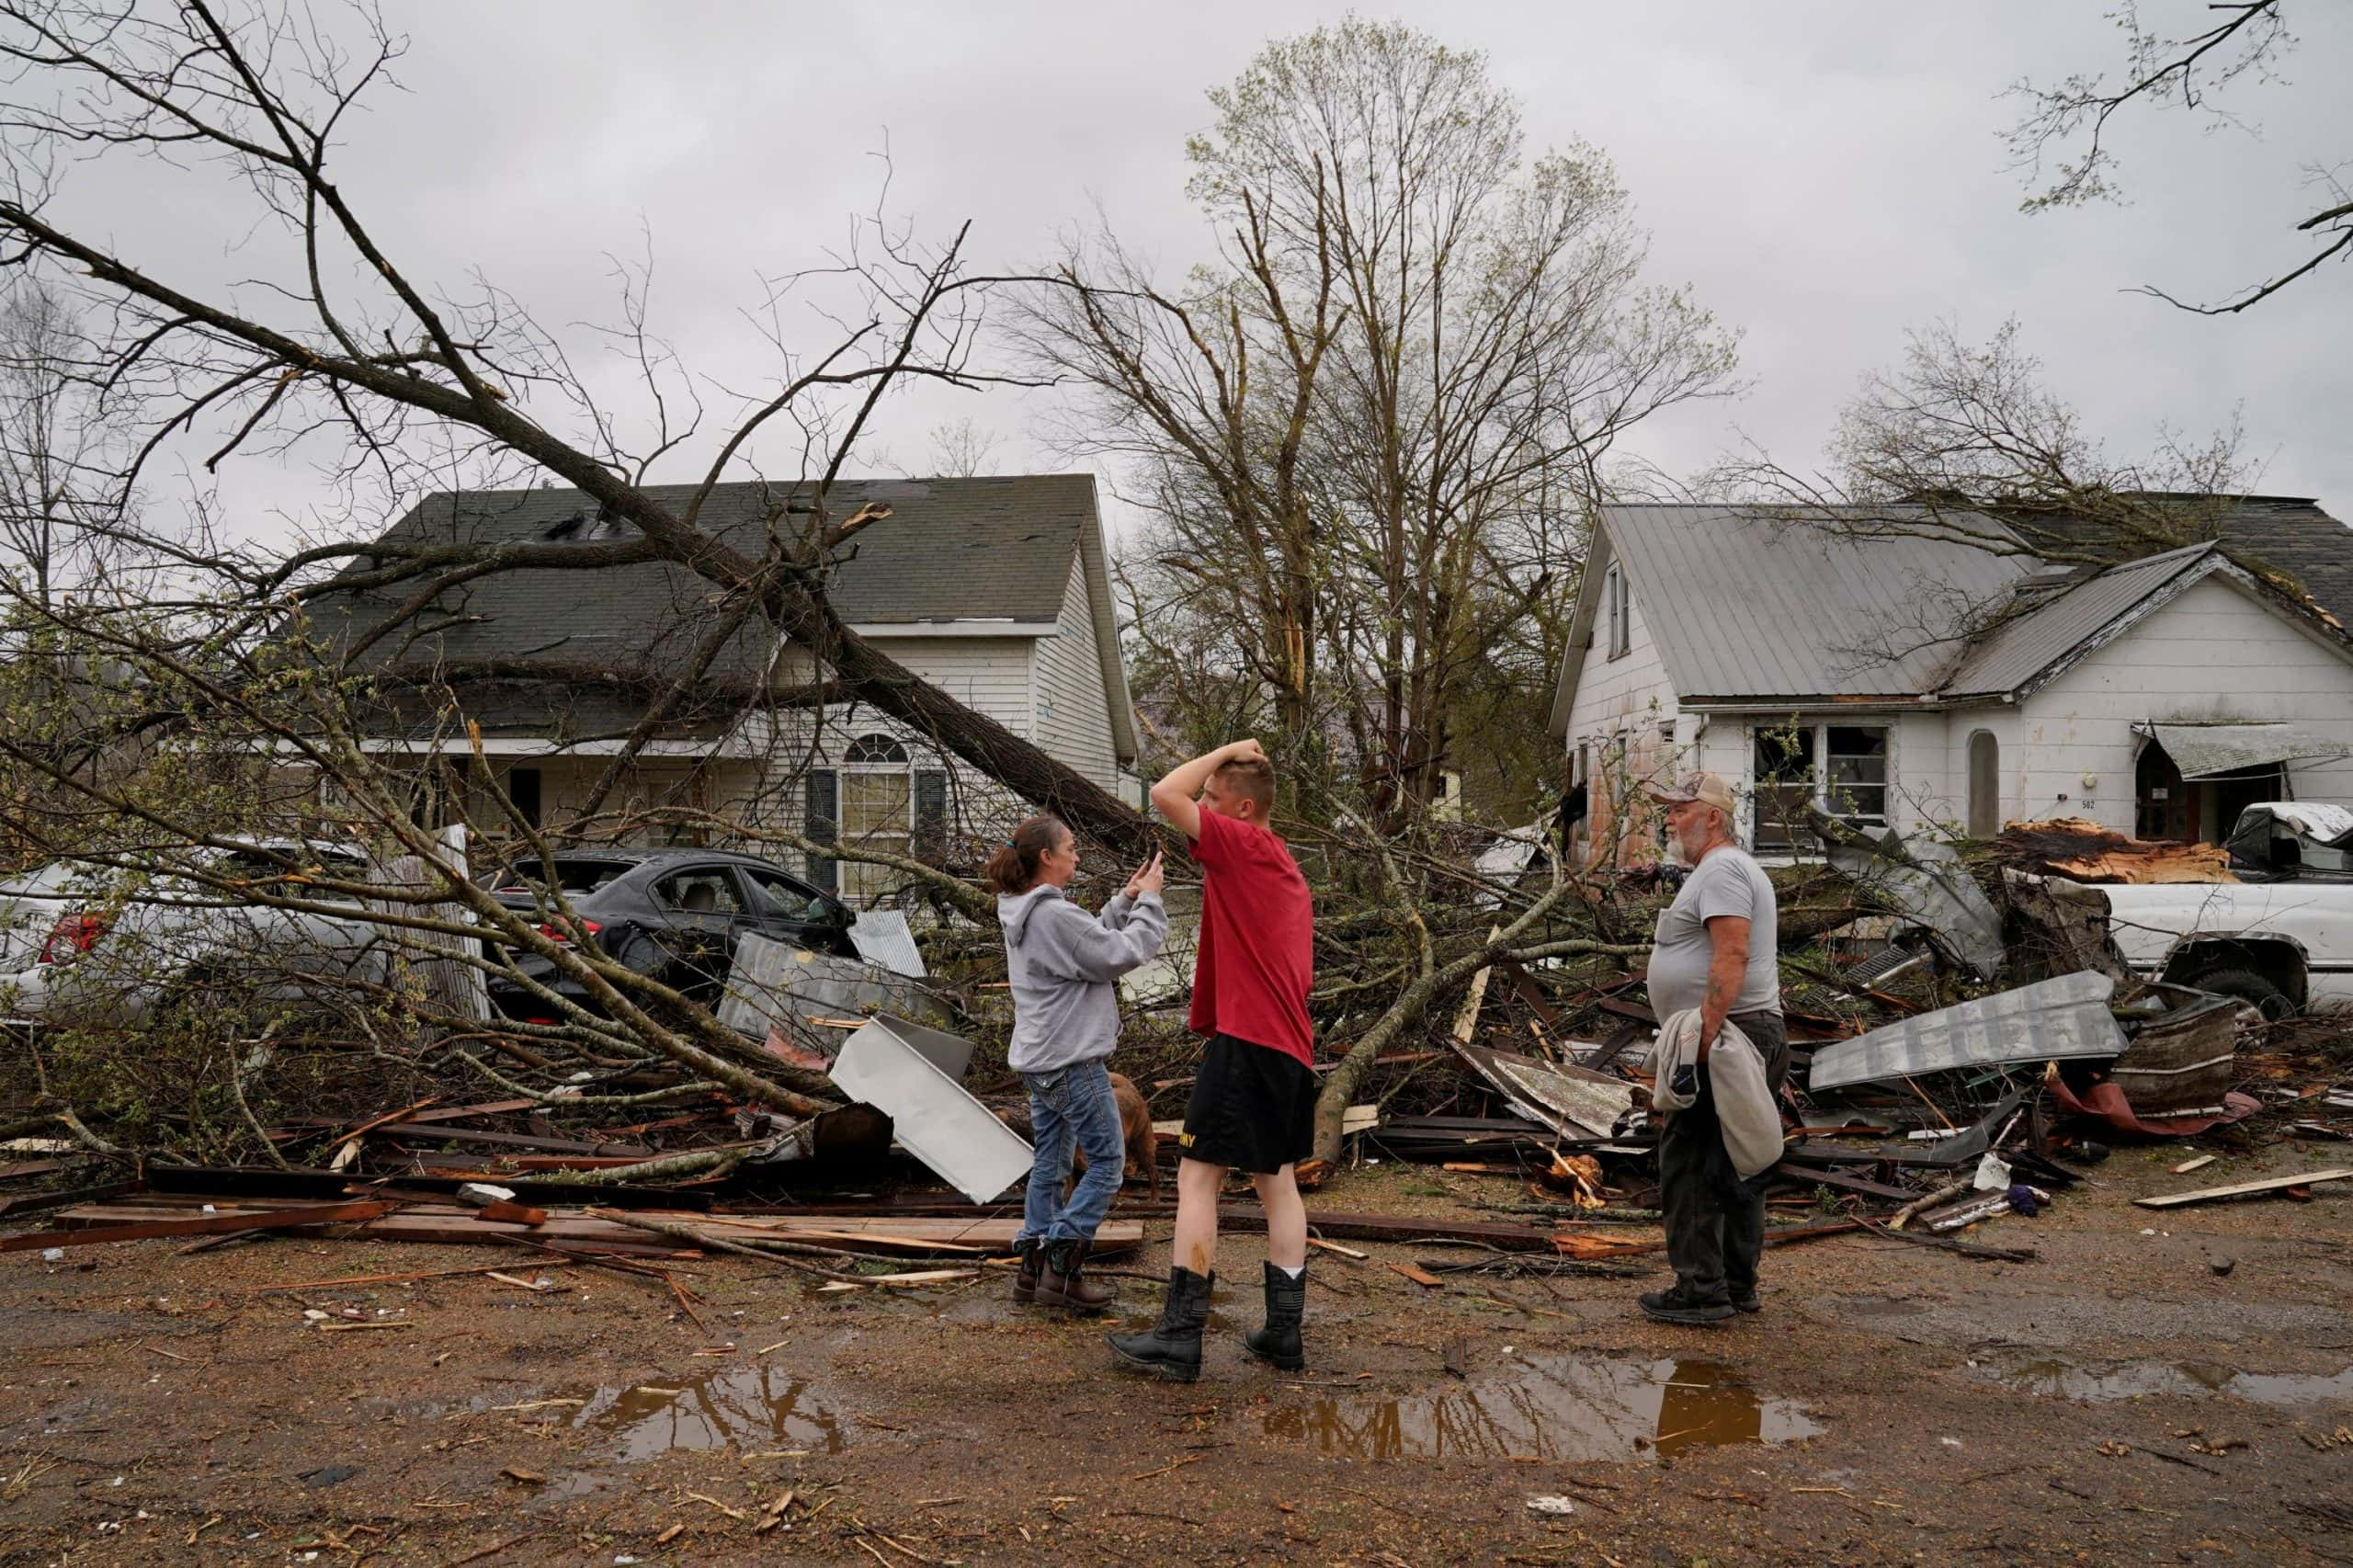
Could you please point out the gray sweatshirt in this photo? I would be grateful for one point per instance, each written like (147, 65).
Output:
(1063, 963)
(1746, 1113)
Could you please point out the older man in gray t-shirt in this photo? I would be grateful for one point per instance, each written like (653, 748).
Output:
(1716, 949)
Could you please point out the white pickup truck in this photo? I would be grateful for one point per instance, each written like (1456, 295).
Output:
(2280, 937)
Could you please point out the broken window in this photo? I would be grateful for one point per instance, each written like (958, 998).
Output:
(1857, 782)
(1784, 778)
(1620, 615)
(1840, 768)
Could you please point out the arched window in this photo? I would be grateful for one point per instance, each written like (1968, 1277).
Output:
(877, 799)
(1985, 785)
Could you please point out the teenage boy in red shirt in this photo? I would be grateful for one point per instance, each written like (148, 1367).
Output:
(1254, 1098)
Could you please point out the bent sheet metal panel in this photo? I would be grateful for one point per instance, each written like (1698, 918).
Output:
(909, 1073)
(775, 985)
(1577, 1102)
(2201, 751)
(2051, 1019)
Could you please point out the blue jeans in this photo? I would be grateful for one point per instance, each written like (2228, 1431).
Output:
(1071, 1104)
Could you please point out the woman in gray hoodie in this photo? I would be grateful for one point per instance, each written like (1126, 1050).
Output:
(1065, 964)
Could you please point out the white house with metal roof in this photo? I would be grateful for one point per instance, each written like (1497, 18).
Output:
(1923, 681)
(995, 589)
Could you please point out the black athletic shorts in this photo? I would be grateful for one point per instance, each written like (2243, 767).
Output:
(1252, 1108)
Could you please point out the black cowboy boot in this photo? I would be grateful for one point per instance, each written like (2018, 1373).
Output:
(1059, 1284)
(1025, 1274)
(1286, 1305)
(1173, 1349)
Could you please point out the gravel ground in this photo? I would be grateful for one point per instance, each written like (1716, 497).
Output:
(2119, 1399)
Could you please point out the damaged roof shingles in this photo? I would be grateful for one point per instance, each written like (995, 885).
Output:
(994, 550)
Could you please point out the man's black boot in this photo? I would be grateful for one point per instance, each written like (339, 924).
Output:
(1173, 1349)
(1286, 1305)
(1678, 1306)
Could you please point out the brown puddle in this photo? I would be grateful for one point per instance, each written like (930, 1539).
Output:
(1558, 1407)
(2098, 1383)
(752, 1407)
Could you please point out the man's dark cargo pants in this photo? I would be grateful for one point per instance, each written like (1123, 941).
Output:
(1715, 1222)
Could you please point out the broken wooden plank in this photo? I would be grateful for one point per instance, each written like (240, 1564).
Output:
(1418, 1275)
(2244, 1188)
(33, 1202)
(519, 1141)
(200, 1225)
(514, 1214)
(1822, 1175)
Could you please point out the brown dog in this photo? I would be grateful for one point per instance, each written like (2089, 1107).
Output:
(1135, 1132)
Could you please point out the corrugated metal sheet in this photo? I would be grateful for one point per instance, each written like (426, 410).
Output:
(2051, 1019)
(2201, 751)
(2017, 650)
(1748, 605)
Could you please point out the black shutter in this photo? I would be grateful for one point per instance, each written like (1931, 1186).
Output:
(523, 791)
(820, 815)
(931, 812)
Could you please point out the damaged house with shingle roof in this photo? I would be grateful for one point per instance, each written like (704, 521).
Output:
(1912, 677)
(997, 589)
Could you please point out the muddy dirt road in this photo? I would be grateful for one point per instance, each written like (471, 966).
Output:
(2119, 1399)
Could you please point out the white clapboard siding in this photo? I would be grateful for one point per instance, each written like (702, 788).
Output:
(1074, 711)
(1620, 693)
(2214, 654)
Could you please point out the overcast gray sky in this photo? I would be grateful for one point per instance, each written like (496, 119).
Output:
(1824, 175)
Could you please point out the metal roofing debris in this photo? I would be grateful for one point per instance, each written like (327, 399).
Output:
(910, 1072)
(2051, 1019)
(1574, 1101)
(2201, 751)
(1924, 880)
(881, 937)
(777, 986)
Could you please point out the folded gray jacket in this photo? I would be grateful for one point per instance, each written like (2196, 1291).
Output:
(1744, 1107)
(1064, 963)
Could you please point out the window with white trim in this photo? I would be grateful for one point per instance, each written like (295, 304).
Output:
(1843, 769)
(878, 798)
(1617, 606)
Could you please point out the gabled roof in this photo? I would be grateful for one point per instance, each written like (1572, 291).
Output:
(970, 557)
(2284, 534)
(1749, 606)
(2019, 649)
(1746, 607)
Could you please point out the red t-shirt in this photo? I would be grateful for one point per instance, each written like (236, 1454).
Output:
(1256, 955)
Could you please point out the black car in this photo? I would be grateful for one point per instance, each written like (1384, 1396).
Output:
(675, 915)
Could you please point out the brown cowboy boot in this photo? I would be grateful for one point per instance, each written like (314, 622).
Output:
(1060, 1284)
(1025, 1274)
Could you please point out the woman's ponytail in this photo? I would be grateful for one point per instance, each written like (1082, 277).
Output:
(1014, 868)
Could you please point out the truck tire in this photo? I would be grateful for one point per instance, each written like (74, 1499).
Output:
(2250, 987)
